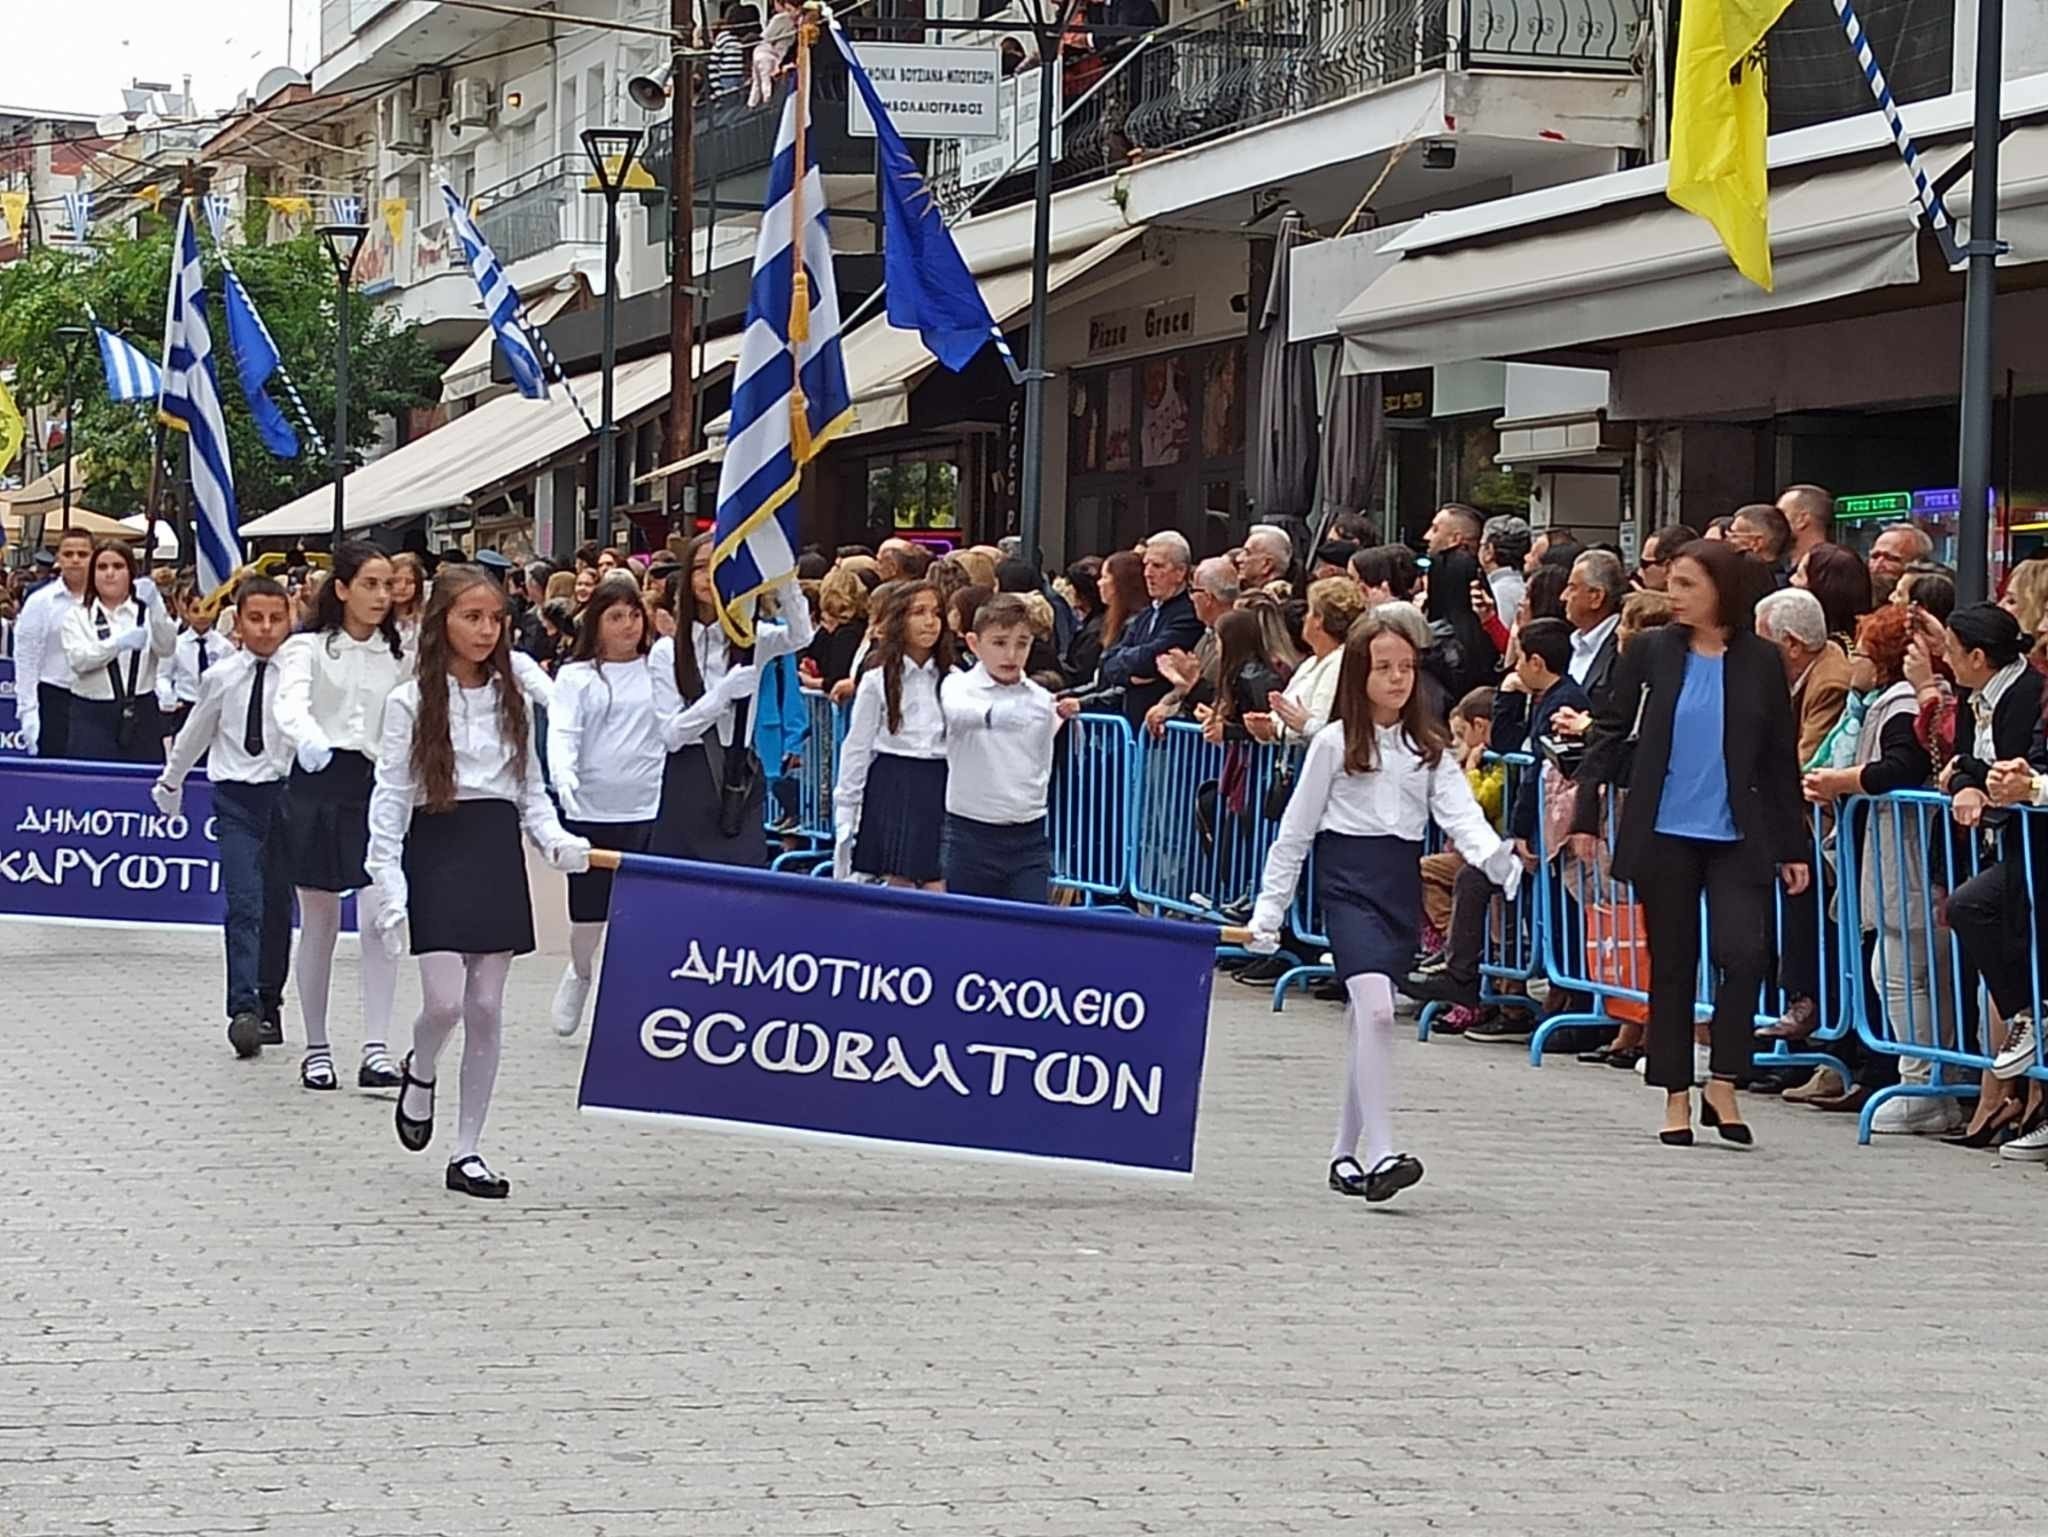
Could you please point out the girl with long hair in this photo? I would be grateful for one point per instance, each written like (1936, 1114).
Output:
(892, 766)
(408, 595)
(457, 780)
(1123, 595)
(605, 757)
(333, 679)
(712, 787)
(1368, 787)
(115, 641)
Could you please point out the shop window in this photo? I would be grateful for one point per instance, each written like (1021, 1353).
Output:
(909, 492)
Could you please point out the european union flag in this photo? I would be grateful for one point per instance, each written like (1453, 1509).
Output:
(256, 360)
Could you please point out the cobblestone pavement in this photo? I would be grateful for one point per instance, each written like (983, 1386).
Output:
(232, 1306)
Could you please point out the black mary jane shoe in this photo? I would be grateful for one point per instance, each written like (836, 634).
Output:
(1392, 1175)
(413, 1135)
(1347, 1177)
(472, 1176)
(317, 1072)
(1737, 1132)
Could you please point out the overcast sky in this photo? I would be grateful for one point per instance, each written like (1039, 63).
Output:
(76, 55)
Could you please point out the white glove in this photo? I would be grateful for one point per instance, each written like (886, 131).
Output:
(741, 683)
(167, 798)
(31, 733)
(131, 640)
(1263, 942)
(566, 788)
(842, 853)
(314, 756)
(571, 856)
(1504, 869)
(390, 920)
(146, 591)
(166, 696)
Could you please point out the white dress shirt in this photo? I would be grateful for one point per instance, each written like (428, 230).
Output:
(604, 746)
(1984, 709)
(1507, 586)
(332, 689)
(90, 655)
(533, 678)
(486, 769)
(1586, 646)
(999, 743)
(219, 727)
(1314, 688)
(1395, 800)
(922, 734)
(684, 724)
(178, 683)
(38, 642)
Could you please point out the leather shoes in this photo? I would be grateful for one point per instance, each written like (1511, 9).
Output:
(1441, 987)
(1799, 1021)
(472, 1176)
(1346, 1177)
(1391, 1175)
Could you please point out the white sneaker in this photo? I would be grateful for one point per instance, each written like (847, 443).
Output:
(2032, 1148)
(2020, 1043)
(1908, 1116)
(1702, 1063)
(570, 996)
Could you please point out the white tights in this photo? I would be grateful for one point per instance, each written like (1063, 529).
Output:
(1365, 1112)
(584, 939)
(319, 928)
(465, 990)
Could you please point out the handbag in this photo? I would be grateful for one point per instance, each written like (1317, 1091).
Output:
(1280, 788)
(737, 773)
(127, 708)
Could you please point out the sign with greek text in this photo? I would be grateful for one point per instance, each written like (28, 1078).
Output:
(12, 744)
(743, 1000)
(1014, 148)
(930, 92)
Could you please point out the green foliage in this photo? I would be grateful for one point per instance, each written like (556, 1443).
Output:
(124, 282)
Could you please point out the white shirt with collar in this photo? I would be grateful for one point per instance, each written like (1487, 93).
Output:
(38, 641)
(1508, 587)
(91, 654)
(332, 689)
(685, 723)
(1984, 706)
(219, 726)
(922, 734)
(999, 746)
(604, 744)
(1586, 646)
(1314, 688)
(178, 684)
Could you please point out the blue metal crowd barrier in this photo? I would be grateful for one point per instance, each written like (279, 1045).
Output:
(1202, 831)
(1508, 952)
(1089, 814)
(807, 845)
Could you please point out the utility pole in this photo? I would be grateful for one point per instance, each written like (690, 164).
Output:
(682, 277)
(1973, 518)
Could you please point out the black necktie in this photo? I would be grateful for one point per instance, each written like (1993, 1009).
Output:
(202, 654)
(252, 733)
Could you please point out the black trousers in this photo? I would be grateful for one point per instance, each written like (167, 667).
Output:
(1991, 915)
(53, 709)
(1672, 879)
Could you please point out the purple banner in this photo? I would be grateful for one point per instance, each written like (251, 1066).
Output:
(11, 744)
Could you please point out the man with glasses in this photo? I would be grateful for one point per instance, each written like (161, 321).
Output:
(1654, 569)
(1899, 546)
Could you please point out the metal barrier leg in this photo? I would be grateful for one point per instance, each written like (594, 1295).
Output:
(1300, 976)
(1558, 1022)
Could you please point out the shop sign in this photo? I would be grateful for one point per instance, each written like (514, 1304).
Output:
(1014, 147)
(1405, 394)
(932, 92)
(1168, 323)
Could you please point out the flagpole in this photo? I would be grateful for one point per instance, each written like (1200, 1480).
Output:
(1980, 297)
(799, 280)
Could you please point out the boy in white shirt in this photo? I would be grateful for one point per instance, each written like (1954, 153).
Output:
(1000, 728)
(199, 647)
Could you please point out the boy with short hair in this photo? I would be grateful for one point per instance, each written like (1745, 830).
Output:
(199, 647)
(248, 759)
(1000, 728)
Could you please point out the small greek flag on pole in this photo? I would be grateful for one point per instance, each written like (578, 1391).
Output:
(191, 404)
(789, 397)
(501, 300)
(130, 374)
(78, 210)
(344, 210)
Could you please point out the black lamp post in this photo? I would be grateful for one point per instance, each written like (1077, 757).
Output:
(611, 152)
(1048, 19)
(344, 244)
(74, 339)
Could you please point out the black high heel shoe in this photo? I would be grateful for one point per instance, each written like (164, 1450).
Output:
(1737, 1132)
(413, 1135)
(1989, 1133)
(1683, 1136)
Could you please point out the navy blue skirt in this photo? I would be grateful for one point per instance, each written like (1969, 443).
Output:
(1370, 891)
(327, 824)
(902, 818)
(465, 876)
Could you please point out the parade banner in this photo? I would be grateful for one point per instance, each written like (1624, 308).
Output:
(11, 743)
(780, 1004)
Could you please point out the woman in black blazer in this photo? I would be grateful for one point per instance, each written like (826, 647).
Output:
(1699, 726)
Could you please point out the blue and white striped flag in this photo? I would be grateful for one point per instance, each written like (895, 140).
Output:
(191, 404)
(220, 208)
(501, 300)
(78, 210)
(344, 210)
(130, 374)
(789, 399)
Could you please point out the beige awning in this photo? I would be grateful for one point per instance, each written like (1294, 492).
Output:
(45, 494)
(709, 455)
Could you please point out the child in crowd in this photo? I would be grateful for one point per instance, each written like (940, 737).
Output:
(1369, 785)
(892, 765)
(199, 646)
(1470, 725)
(233, 726)
(999, 730)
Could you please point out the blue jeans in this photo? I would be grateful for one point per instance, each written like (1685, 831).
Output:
(1010, 863)
(248, 826)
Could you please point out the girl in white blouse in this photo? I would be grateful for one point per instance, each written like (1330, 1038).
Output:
(704, 688)
(1370, 783)
(887, 804)
(458, 777)
(115, 641)
(605, 756)
(332, 683)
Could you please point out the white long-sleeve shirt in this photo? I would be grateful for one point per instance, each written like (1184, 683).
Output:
(219, 726)
(1395, 800)
(38, 643)
(604, 745)
(332, 689)
(1314, 688)
(178, 683)
(532, 678)
(999, 744)
(486, 769)
(923, 734)
(684, 724)
(90, 654)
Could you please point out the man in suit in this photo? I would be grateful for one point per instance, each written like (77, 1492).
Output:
(1592, 602)
(1170, 624)
(1214, 593)
(1815, 669)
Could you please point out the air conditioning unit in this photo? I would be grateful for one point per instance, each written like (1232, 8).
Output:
(397, 128)
(470, 103)
(428, 99)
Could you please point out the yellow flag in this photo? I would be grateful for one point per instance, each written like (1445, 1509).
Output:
(13, 209)
(1720, 122)
(153, 194)
(393, 210)
(10, 427)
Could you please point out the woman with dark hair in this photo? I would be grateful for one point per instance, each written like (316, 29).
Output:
(713, 788)
(1387, 573)
(1842, 583)
(1084, 651)
(115, 640)
(333, 679)
(1700, 721)
(1460, 658)
(1928, 588)
(605, 758)
(1124, 597)
(1543, 594)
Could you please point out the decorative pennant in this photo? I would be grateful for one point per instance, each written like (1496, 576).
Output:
(78, 209)
(13, 214)
(220, 213)
(393, 211)
(153, 195)
(289, 207)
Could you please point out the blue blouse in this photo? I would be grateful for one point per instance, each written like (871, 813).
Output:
(1695, 799)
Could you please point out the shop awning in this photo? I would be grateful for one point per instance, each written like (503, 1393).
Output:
(499, 441)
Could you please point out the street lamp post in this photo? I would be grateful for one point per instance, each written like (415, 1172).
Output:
(611, 152)
(74, 339)
(344, 244)
(1049, 21)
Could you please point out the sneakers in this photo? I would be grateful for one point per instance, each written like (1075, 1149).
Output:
(1911, 1116)
(1511, 1027)
(270, 1032)
(1264, 970)
(2032, 1148)
(2021, 1047)
(570, 996)
(1432, 963)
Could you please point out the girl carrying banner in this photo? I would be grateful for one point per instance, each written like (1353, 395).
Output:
(115, 640)
(458, 777)
(332, 683)
(1368, 786)
(892, 766)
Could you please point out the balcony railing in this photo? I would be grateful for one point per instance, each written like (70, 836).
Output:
(538, 210)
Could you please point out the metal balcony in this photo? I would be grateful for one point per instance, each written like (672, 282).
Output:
(538, 210)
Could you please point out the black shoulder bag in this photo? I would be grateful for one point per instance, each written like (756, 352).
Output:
(737, 773)
(126, 724)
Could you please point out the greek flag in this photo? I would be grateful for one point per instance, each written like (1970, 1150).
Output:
(130, 374)
(783, 414)
(220, 209)
(344, 210)
(78, 210)
(191, 404)
(501, 300)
